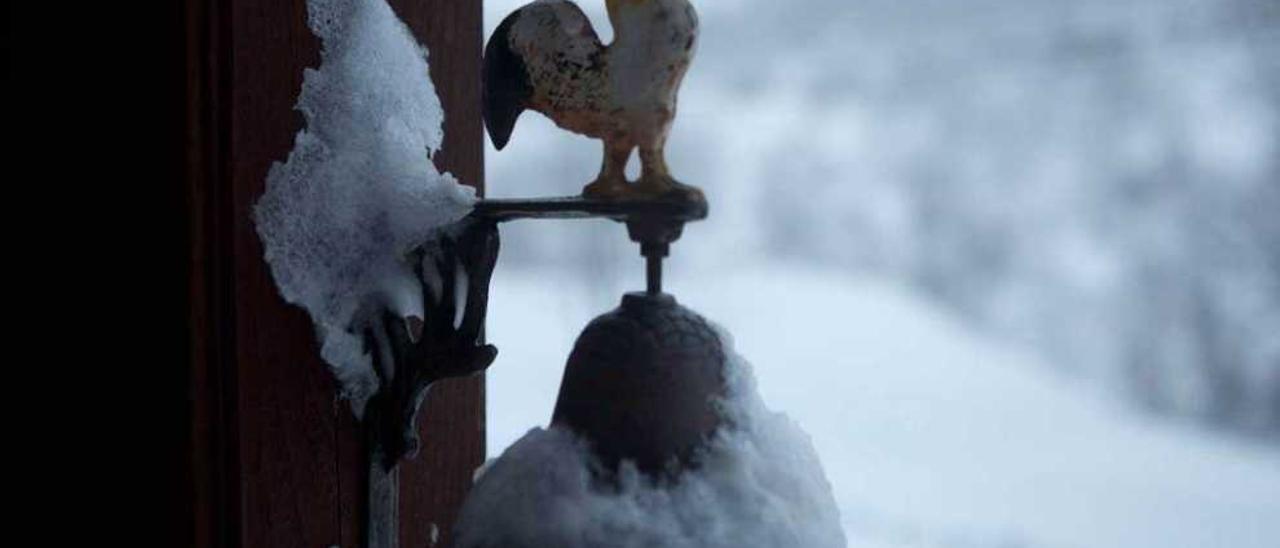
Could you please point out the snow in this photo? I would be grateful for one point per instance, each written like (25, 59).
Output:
(759, 484)
(359, 189)
(932, 434)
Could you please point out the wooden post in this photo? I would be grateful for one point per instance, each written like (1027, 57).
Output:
(275, 458)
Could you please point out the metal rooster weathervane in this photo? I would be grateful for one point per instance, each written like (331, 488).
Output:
(546, 57)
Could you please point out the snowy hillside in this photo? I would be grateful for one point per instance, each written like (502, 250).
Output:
(1095, 179)
(932, 435)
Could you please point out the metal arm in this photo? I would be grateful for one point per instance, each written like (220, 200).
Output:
(654, 224)
(411, 354)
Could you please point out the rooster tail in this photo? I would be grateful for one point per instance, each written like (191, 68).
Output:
(507, 89)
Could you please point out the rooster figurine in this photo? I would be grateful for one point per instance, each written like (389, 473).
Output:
(546, 57)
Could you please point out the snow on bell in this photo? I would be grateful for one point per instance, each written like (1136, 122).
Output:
(658, 438)
(642, 383)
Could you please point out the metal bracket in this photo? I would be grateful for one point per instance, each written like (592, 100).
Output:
(411, 354)
(653, 223)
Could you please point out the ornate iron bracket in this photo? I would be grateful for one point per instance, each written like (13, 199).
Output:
(409, 355)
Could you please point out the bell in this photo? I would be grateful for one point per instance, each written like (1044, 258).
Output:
(642, 384)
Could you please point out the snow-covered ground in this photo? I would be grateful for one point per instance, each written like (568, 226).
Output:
(932, 434)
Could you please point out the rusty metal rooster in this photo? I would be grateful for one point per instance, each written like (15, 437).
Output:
(547, 57)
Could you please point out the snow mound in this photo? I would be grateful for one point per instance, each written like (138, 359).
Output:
(359, 189)
(759, 484)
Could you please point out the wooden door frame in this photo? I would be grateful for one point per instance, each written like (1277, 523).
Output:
(271, 457)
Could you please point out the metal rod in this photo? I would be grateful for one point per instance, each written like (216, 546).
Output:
(501, 210)
(384, 509)
(653, 274)
(654, 224)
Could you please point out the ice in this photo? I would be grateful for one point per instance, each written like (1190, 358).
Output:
(760, 484)
(359, 189)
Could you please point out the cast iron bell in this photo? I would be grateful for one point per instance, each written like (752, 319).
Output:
(642, 382)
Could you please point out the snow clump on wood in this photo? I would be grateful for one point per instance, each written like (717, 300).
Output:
(359, 189)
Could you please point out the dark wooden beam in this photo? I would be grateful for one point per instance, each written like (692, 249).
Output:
(275, 458)
(451, 424)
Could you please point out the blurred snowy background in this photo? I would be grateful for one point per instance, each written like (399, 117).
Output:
(1013, 264)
